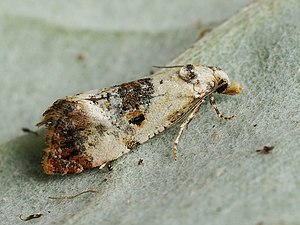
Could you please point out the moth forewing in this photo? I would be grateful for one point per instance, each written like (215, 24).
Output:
(92, 128)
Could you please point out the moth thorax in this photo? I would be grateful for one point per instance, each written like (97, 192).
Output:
(187, 73)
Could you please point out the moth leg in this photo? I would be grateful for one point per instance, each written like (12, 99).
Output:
(183, 126)
(214, 105)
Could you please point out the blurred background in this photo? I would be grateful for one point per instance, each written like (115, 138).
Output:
(50, 49)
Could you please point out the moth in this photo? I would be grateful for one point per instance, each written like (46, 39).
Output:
(95, 127)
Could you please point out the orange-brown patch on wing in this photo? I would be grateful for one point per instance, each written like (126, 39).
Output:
(68, 127)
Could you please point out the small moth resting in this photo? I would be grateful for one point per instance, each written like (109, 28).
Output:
(93, 128)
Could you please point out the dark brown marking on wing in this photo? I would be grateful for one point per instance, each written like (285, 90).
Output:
(131, 144)
(95, 98)
(101, 129)
(137, 120)
(136, 117)
(136, 94)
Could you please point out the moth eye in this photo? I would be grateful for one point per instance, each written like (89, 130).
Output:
(222, 87)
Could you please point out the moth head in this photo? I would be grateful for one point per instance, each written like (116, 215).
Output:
(223, 85)
(208, 79)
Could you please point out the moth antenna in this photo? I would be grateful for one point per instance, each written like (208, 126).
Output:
(175, 66)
